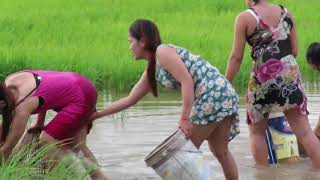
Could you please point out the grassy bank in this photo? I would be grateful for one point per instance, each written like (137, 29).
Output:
(90, 36)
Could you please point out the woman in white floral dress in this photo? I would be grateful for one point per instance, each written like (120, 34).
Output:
(275, 83)
(209, 103)
(214, 97)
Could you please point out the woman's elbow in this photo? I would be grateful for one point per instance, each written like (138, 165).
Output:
(187, 82)
(235, 58)
(131, 101)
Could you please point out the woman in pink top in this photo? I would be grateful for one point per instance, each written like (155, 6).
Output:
(28, 92)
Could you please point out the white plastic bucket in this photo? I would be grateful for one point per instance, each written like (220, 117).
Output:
(177, 158)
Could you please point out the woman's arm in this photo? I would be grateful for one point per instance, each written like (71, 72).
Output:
(137, 93)
(41, 118)
(18, 126)
(239, 42)
(293, 37)
(172, 62)
(16, 130)
(39, 123)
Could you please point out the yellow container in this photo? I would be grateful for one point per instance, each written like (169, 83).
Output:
(281, 141)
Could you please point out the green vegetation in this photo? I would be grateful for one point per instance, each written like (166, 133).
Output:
(90, 36)
(28, 163)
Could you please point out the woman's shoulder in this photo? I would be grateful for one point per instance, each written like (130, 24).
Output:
(161, 46)
(165, 48)
(247, 15)
(16, 77)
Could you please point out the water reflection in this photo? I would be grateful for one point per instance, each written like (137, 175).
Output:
(122, 141)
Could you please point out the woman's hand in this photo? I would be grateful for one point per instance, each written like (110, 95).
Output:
(138, 92)
(35, 127)
(94, 116)
(38, 125)
(186, 126)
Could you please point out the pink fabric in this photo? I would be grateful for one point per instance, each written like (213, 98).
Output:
(73, 97)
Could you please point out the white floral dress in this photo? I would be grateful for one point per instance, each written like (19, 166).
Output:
(275, 84)
(215, 98)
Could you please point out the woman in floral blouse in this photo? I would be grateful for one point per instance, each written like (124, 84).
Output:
(209, 102)
(275, 83)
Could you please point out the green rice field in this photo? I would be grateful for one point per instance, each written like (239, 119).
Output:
(90, 36)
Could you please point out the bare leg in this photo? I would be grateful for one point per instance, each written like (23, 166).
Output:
(258, 143)
(221, 130)
(56, 151)
(317, 129)
(218, 143)
(199, 133)
(90, 160)
(59, 153)
(300, 125)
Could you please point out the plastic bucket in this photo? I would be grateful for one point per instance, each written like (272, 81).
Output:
(281, 141)
(177, 158)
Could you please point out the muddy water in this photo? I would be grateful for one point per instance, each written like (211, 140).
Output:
(122, 141)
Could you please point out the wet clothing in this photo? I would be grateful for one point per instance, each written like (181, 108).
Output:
(71, 95)
(275, 83)
(215, 98)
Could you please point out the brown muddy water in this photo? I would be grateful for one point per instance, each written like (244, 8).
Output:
(121, 142)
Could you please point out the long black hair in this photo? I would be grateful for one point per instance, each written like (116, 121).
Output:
(7, 111)
(148, 31)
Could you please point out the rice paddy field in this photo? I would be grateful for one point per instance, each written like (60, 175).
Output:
(90, 36)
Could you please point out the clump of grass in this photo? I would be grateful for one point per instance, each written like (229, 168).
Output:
(71, 167)
(19, 167)
(28, 163)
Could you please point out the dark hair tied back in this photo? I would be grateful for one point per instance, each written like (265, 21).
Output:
(148, 31)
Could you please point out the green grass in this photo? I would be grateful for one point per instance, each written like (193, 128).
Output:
(26, 164)
(90, 36)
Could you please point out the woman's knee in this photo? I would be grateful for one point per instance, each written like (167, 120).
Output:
(221, 154)
(219, 148)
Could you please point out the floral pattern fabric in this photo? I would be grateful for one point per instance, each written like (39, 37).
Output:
(215, 98)
(275, 83)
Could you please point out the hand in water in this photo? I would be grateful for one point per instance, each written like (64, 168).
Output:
(186, 126)
(35, 128)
